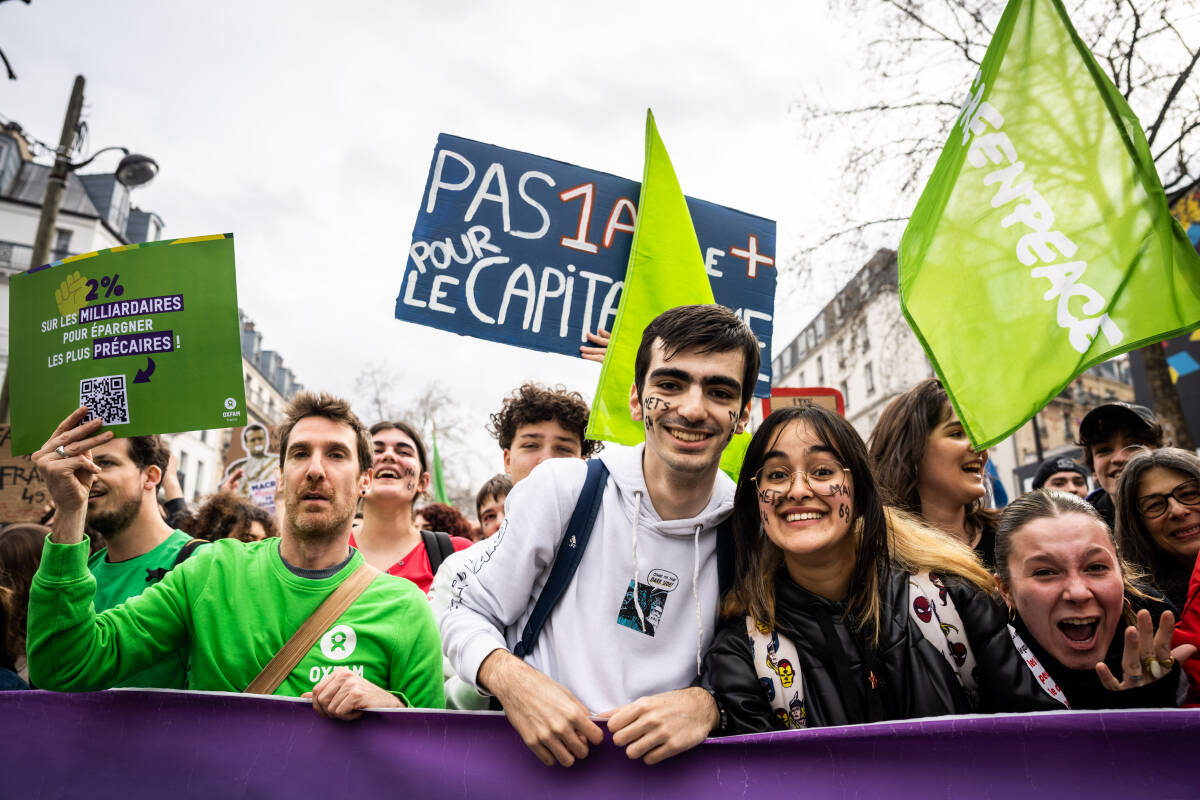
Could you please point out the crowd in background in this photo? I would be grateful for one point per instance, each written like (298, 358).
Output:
(836, 581)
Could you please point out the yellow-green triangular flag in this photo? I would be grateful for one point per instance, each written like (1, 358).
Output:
(666, 269)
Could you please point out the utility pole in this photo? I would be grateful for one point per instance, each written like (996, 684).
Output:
(57, 182)
(55, 185)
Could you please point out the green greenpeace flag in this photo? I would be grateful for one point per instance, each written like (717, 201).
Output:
(1042, 244)
(146, 336)
(439, 479)
(666, 269)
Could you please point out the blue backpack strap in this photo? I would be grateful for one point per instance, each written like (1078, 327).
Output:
(726, 561)
(570, 551)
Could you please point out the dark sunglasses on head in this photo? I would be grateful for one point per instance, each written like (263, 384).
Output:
(1155, 505)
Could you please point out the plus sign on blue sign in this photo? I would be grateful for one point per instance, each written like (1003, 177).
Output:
(529, 251)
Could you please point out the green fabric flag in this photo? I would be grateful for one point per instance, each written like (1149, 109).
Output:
(1042, 244)
(666, 269)
(439, 480)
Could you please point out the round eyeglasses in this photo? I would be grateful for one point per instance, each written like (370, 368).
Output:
(1155, 505)
(824, 478)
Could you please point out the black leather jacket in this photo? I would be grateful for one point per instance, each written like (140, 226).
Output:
(914, 679)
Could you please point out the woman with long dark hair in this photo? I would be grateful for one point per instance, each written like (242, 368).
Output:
(1158, 518)
(20, 553)
(927, 466)
(843, 612)
(1103, 638)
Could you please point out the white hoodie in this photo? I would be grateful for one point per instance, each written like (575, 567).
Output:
(595, 642)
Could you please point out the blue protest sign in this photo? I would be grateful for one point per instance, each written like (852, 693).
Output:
(529, 251)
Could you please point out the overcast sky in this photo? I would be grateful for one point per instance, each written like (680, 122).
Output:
(307, 130)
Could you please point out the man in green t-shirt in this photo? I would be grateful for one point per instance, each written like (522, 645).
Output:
(233, 605)
(140, 548)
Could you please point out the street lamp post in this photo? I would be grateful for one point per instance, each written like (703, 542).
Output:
(134, 170)
(55, 185)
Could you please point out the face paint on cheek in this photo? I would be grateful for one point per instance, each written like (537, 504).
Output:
(770, 497)
(843, 511)
(652, 403)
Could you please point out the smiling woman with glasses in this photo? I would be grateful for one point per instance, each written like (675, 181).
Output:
(1158, 517)
(844, 612)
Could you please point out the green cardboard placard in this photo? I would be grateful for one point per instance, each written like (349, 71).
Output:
(145, 335)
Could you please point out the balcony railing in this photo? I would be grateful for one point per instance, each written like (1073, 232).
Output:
(16, 257)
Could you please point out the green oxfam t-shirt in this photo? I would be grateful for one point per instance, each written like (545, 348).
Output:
(232, 605)
(116, 582)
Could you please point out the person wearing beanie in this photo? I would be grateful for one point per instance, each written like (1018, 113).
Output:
(1063, 474)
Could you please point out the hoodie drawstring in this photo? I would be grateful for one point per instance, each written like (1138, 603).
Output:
(637, 516)
(696, 594)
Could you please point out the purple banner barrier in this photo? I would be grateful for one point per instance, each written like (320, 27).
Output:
(135, 744)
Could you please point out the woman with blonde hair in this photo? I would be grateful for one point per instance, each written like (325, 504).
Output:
(843, 612)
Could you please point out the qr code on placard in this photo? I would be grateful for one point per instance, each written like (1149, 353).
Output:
(105, 398)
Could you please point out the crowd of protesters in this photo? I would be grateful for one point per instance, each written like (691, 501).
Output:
(643, 589)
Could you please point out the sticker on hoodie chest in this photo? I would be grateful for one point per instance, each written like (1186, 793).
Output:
(643, 604)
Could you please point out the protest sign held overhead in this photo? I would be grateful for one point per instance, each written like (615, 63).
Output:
(525, 250)
(146, 336)
(1042, 244)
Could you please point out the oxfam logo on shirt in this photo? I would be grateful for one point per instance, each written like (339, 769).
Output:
(339, 642)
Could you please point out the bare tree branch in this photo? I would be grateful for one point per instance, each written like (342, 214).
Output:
(886, 107)
(12, 76)
(847, 231)
(1175, 89)
(1178, 139)
(951, 5)
(962, 45)
(1131, 49)
(1179, 181)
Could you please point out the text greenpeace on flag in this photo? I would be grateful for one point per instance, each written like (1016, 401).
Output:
(1042, 243)
(516, 248)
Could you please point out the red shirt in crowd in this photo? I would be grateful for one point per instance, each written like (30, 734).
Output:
(415, 566)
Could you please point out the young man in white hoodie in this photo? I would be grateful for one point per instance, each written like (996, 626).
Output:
(626, 637)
